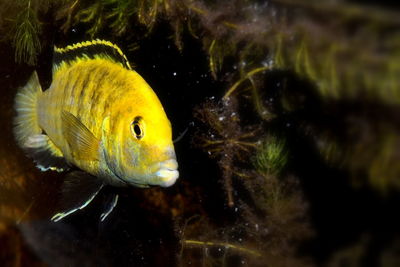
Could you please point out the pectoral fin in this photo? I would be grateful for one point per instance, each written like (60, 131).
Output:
(78, 190)
(83, 144)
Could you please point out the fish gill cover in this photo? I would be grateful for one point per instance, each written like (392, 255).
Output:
(292, 149)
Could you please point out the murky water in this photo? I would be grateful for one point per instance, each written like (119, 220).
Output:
(225, 210)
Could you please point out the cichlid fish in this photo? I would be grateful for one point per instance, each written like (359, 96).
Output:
(100, 116)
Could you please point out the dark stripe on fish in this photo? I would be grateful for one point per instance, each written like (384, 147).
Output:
(90, 52)
(101, 74)
(85, 89)
(85, 83)
(71, 81)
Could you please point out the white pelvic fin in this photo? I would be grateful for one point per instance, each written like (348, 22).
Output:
(78, 190)
(46, 155)
(110, 207)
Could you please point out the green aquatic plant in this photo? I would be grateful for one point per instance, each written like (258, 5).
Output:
(120, 15)
(26, 39)
(215, 247)
(66, 12)
(270, 212)
(268, 229)
(226, 140)
(271, 156)
(239, 82)
(262, 111)
(117, 15)
(340, 66)
(215, 58)
(94, 16)
(252, 34)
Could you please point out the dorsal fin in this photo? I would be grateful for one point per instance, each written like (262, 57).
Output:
(89, 50)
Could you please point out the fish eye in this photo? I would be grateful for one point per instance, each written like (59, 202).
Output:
(137, 128)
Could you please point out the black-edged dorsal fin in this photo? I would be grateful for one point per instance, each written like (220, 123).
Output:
(89, 50)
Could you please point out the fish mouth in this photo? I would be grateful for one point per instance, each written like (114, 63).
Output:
(167, 174)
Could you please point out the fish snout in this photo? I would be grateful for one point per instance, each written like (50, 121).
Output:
(168, 173)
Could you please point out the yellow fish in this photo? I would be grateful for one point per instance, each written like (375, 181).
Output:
(100, 116)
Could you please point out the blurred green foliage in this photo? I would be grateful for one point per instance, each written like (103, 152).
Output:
(271, 157)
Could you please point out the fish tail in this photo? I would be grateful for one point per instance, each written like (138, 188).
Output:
(26, 122)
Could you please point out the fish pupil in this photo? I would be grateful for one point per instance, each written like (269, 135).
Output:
(137, 130)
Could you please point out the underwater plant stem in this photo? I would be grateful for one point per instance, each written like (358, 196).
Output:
(74, 5)
(212, 63)
(243, 143)
(221, 244)
(69, 13)
(196, 9)
(261, 110)
(248, 75)
(26, 211)
(228, 182)
(232, 141)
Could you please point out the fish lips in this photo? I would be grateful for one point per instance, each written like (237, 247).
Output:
(167, 173)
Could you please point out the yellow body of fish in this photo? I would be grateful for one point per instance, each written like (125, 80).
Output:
(99, 115)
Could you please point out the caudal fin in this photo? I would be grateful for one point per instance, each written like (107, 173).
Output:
(26, 122)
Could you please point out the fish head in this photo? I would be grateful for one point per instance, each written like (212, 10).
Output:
(143, 153)
(148, 156)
